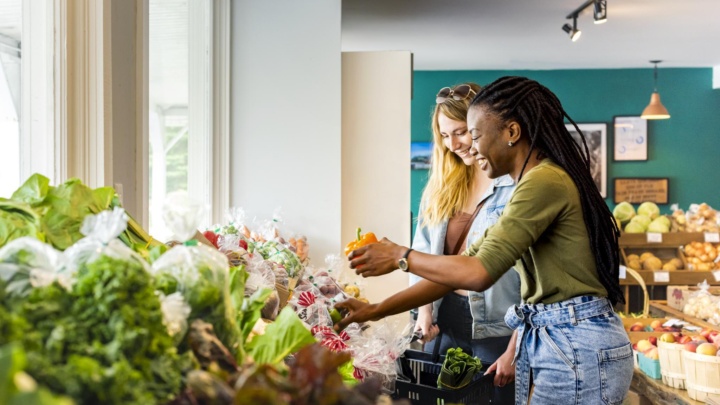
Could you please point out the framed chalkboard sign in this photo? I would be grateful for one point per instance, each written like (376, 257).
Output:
(642, 189)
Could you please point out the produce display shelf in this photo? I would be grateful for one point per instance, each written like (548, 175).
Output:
(677, 277)
(660, 308)
(658, 393)
(668, 239)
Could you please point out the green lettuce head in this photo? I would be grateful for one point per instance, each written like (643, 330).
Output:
(649, 209)
(624, 212)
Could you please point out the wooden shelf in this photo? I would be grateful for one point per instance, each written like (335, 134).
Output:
(677, 277)
(659, 393)
(660, 308)
(671, 239)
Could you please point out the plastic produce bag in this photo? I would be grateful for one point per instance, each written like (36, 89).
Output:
(198, 272)
(101, 239)
(375, 351)
(26, 262)
(701, 304)
(261, 275)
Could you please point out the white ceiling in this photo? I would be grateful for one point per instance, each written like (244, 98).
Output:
(527, 34)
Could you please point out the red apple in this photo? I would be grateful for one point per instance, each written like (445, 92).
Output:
(652, 353)
(684, 339)
(653, 340)
(707, 349)
(713, 336)
(691, 346)
(643, 345)
(637, 327)
(699, 338)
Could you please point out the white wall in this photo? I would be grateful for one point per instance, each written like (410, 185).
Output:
(376, 95)
(285, 121)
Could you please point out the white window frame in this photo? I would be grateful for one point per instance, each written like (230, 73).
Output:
(209, 107)
(66, 71)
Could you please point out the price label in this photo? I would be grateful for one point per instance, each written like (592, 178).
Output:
(623, 272)
(661, 276)
(716, 273)
(712, 237)
(654, 237)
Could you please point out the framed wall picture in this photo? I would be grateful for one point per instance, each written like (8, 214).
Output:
(631, 138)
(420, 155)
(596, 138)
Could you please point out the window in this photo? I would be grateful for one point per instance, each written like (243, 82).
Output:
(189, 106)
(168, 94)
(10, 88)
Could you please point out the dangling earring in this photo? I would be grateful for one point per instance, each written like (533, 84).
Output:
(510, 144)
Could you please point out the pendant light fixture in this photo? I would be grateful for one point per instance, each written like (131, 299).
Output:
(655, 110)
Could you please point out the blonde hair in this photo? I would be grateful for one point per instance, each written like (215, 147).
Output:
(449, 181)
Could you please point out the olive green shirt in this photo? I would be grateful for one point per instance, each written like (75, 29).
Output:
(542, 224)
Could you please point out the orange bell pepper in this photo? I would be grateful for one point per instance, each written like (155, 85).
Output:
(362, 240)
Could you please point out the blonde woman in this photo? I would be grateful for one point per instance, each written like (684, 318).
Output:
(459, 202)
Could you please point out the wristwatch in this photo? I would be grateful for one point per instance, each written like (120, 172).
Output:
(403, 263)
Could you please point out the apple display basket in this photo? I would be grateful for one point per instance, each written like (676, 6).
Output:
(671, 364)
(650, 367)
(702, 375)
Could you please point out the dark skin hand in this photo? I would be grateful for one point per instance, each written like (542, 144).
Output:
(421, 293)
(382, 258)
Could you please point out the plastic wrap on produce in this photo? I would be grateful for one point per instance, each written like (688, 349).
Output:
(26, 262)
(702, 304)
(376, 349)
(199, 272)
(262, 275)
(101, 239)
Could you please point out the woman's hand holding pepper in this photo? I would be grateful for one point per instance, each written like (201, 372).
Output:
(376, 259)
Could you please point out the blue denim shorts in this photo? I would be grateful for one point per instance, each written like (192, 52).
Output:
(573, 352)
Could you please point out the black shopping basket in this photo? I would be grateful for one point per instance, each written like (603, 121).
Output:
(417, 381)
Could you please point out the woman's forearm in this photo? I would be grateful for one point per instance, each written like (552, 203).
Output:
(457, 272)
(421, 293)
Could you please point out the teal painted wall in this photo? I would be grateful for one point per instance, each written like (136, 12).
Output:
(685, 148)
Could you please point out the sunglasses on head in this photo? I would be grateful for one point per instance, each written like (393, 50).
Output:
(458, 93)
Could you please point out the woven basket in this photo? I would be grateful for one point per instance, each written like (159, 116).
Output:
(641, 282)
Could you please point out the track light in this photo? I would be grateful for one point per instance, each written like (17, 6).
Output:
(600, 11)
(599, 15)
(572, 31)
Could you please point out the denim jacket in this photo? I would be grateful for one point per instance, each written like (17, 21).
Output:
(488, 308)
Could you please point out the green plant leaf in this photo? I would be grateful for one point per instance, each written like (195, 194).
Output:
(34, 190)
(283, 337)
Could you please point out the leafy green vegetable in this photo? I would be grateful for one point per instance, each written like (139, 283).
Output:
(280, 254)
(283, 337)
(346, 372)
(102, 342)
(17, 219)
(12, 363)
(205, 290)
(458, 369)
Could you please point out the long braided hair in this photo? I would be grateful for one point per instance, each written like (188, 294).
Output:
(540, 115)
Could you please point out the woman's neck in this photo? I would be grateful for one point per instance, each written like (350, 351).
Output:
(518, 171)
(479, 185)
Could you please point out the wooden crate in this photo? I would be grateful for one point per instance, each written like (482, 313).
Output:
(664, 253)
(689, 259)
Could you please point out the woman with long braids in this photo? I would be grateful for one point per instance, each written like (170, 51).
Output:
(561, 237)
